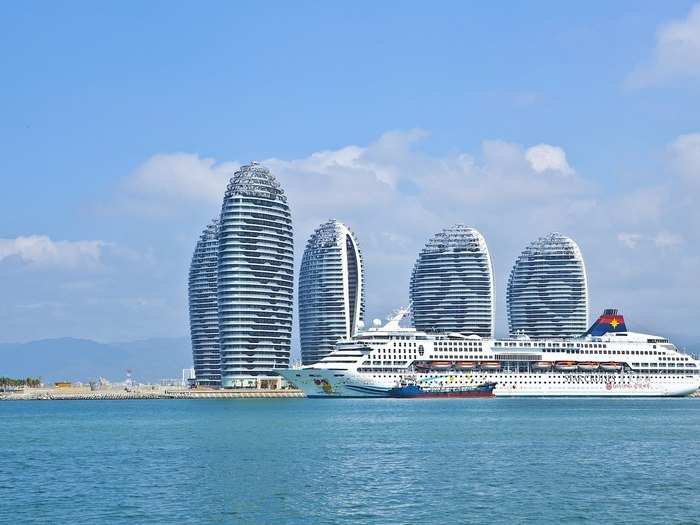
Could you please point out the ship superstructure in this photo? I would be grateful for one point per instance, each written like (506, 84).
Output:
(608, 360)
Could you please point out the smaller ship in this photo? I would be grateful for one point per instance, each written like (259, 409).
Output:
(412, 389)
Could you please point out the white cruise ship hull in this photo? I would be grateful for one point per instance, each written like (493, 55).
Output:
(607, 361)
(319, 383)
(330, 384)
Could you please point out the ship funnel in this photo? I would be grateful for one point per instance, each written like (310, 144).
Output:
(610, 321)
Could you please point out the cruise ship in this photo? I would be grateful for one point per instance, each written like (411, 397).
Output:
(608, 360)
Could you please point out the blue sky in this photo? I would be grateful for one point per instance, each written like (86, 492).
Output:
(121, 123)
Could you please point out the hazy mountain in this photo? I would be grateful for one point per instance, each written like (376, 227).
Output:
(83, 360)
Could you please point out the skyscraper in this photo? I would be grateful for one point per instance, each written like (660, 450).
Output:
(548, 290)
(331, 290)
(204, 316)
(452, 287)
(255, 277)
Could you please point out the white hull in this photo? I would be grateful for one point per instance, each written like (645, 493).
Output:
(330, 384)
(327, 384)
(614, 364)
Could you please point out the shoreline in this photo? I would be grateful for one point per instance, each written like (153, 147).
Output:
(54, 394)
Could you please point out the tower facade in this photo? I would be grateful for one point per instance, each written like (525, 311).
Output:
(255, 277)
(203, 305)
(452, 287)
(331, 290)
(547, 292)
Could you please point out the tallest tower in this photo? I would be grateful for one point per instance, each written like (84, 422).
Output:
(255, 278)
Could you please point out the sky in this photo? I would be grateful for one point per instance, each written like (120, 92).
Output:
(121, 123)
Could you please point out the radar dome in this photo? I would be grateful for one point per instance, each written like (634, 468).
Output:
(377, 323)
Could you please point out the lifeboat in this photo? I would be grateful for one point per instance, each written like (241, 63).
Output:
(490, 365)
(542, 365)
(588, 366)
(566, 365)
(422, 366)
(611, 366)
(441, 364)
(465, 365)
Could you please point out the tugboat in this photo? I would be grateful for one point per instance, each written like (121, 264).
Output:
(412, 389)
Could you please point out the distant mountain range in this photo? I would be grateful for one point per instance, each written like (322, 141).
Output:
(84, 360)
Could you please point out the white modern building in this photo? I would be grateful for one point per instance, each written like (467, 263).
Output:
(255, 279)
(547, 294)
(331, 290)
(203, 306)
(452, 285)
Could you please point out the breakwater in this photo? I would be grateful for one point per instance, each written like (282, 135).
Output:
(68, 394)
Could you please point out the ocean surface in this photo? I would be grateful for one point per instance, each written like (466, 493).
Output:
(375, 461)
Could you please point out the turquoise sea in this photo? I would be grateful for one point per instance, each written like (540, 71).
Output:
(375, 461)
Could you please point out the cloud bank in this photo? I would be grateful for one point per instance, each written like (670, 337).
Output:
(639, 243)
(395, 196)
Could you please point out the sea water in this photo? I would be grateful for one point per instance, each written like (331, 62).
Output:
(375, 461)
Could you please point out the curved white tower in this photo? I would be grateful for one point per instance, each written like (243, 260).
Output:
(255, 277)
(452, 287)
(331, 290)
(204, 312)
(548, 290)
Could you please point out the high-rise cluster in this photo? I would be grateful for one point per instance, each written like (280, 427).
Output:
(241, 286)
(254, 280)
(452, 287)
(331, 290)
(547, 293)
(204, 311)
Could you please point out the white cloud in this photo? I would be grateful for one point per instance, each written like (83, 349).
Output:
(545, 157)
(663, 239)
(641, 206)
(382, 161)
(676, 52)
(388, 170)
(668, 240)
(165, 181)
(41, 251)
(685, 158)
(631, 240)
